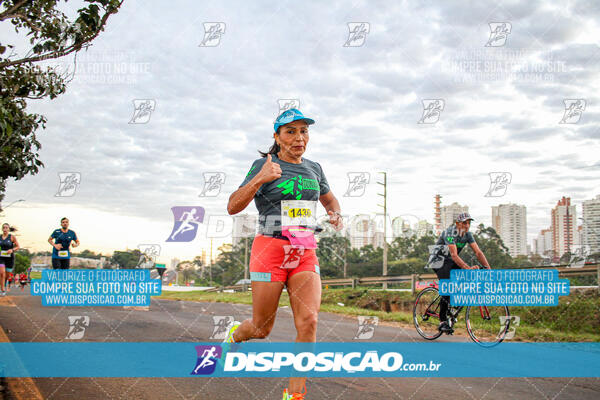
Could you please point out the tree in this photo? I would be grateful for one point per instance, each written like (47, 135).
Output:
(536, 259)
(89, 254)
(332, 252)
(521, 261)
(231, 263)
(126, 259)
(22, 262)
(492, 246)
(51, 35)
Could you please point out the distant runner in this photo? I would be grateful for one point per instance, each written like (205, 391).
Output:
(60, 240)
(22, 281)
(8, 245)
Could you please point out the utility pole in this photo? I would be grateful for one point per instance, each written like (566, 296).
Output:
(384, 184)
(211, 262)
(246, 257)
(346, 257)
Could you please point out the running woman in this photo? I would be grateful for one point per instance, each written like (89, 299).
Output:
(285, 187)
(8, 245)
(445, 258)
(61, 240)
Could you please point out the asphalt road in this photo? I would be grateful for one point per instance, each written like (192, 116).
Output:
(177, 321)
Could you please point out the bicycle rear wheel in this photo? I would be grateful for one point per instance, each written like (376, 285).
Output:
(426, 313)
(487, 325)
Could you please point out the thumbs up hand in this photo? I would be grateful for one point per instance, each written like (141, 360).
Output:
(270, 170)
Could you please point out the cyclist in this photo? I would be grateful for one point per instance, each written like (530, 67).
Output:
(62, 237)
(285, 187)
(8, 245)
(445, 257)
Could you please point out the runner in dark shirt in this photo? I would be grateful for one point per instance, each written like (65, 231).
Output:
(8, 245)
(61, 239)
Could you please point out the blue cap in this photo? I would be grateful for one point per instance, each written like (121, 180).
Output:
(293, 114)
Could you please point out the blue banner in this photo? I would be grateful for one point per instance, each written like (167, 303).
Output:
(101, 287)
(254, 359)
(504, 287)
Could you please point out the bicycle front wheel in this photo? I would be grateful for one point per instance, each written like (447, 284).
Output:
(426, 313)
(487, 325)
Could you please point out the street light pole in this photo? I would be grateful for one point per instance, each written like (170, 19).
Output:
(16, 201)
(385, 264)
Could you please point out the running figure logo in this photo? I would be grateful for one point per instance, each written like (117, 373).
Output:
(212, 34)
(499, 32)
(148, 254)
(573, 110)
(357, 182)
(432, 108)
(291, 258)
(69, 181)
(186, 223)
(286, 104)
(221, 326)
(142, 110)
(293, 186)
(207, 359)
(437, 255)
(579, 254)
(77, 325)
(358, 33)
(499, 182)
(212, 184)
(366, 327)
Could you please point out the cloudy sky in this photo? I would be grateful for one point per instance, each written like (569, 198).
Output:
(214, 107)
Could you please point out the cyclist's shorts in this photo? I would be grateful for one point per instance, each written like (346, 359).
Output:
(275, 260)
(444, 271)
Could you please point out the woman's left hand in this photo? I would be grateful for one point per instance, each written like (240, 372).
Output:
(335, 219)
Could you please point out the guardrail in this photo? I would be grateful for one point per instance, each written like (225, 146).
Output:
(563, 271)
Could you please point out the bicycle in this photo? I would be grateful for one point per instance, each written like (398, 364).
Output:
(488, 327)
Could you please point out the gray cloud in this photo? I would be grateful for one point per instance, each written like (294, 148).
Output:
(215, 106)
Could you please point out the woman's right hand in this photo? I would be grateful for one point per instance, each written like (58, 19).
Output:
(58, 246)
(269, 171)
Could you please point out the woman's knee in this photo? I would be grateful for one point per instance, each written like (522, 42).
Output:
(307, 323)
(262, 328)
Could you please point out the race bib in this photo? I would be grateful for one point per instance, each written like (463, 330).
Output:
(4, 253)
(298, 212)
(298, 219)
(63, 253)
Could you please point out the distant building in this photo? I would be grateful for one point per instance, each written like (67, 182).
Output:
(564, 223)
(424, 228)
(378, 239)
(510, 222)
(361, 232)
(401, 228)
(450, 212)
(543, 243)
(174, 263)
(591, 224)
